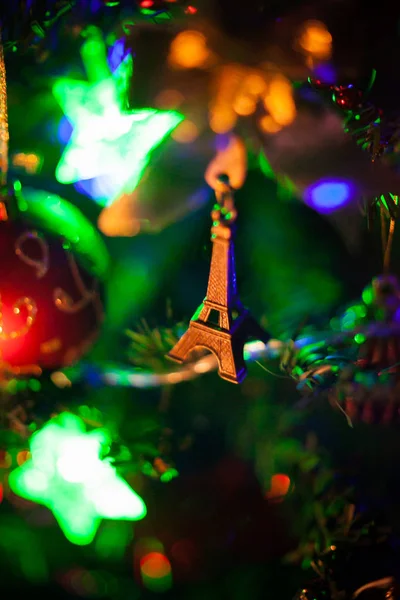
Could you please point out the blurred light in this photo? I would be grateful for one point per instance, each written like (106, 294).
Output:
(60, 380)
(160, 465)
(326, 74)
(204, 365)
(23, 456)
(119, 219)
(326, 196)
(368, 295)
(94, 55)
(65, 130)
(359, 338)
(279, 101)
(145, 546)
(146, 3)
(112, 540)
(169, 475)
(60, 217)
(52, 345)
(189, 51)
(66, 474)
(116, 54)
(108, 147)
(108, 142)
(30, 163)
(5, 459)
(156, 572)
(114, 375)
(269, 125)
(316, 40)
(35, 385)
(244, 105)
(190, 10)
(155, 565)
(1, 492)
(229, 81)
(169, 99)
(186, 133)
(255, 84)
(222, 118)
(280, 486)
(3, 212)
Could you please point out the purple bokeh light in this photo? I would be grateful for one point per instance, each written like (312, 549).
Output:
(325, 73)
(328, 195)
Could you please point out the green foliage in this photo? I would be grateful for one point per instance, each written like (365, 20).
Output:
(149, 347)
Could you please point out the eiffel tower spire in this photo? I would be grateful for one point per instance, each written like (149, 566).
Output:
(221, 324)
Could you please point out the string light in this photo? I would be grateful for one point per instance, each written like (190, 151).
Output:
(122, 376)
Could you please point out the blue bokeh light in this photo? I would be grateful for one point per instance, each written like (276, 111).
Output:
(102, 189)
(65, 130)
(328, 195)
(116, 55)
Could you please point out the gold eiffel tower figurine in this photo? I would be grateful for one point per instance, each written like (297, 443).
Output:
(221, 324)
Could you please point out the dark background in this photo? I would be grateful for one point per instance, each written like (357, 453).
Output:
(291, 263)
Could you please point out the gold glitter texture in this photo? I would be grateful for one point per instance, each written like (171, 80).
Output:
(22, 303)
(63, 300)
(4, 136)
(42, 265)
(53, 345)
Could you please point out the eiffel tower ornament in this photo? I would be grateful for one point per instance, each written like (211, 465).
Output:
(226, 334)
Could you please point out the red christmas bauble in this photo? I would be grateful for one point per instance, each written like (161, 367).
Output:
(50, 306)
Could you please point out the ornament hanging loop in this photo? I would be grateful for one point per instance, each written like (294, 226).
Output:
(224, 212)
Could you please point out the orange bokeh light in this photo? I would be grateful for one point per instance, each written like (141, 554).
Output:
(169, 99)
(189, 51)
(222, 118)
(185, 133)
(316, 40)
(244, 105)
(279, 101)
(23, 456)
(269, 125)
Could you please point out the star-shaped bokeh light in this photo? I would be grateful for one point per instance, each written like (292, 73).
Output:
(66, 473)
(107, 142)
